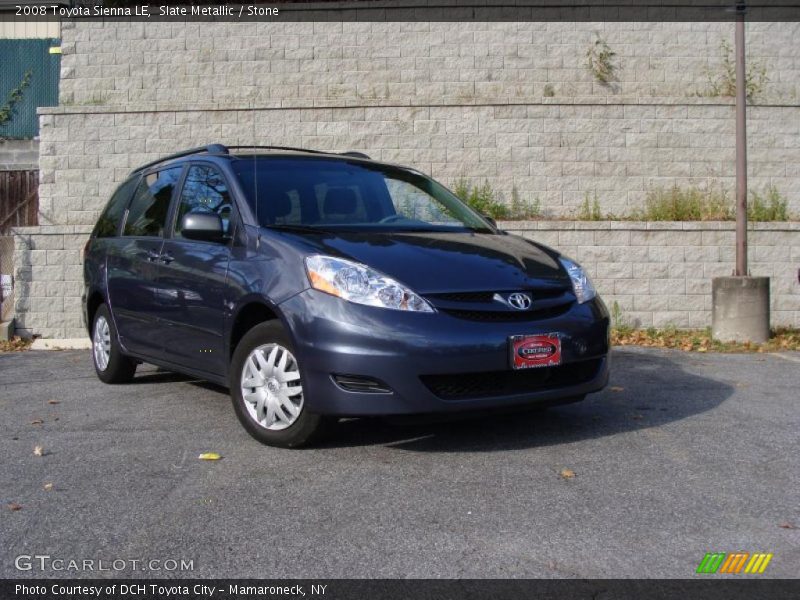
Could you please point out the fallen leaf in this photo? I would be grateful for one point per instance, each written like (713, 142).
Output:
(209, 456)
(787, 525)
(38, 451)
(48, 487)
(14, 506)
(567, 473)
(54, 401)
(37, 422)
(616, 388)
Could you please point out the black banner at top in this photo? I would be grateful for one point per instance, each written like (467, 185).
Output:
(405, 10)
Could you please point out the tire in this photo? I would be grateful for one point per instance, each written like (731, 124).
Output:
(273, 410)
(110, 364)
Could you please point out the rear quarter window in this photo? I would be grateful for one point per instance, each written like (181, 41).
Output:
(108, 223)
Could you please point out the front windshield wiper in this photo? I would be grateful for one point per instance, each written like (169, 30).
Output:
(295, 227)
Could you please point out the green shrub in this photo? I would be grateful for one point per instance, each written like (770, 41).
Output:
(522, 210)
(481, 199)
(769, 207)
(685, 204)
(590, 209)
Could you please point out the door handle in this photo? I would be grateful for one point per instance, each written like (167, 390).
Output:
(152, 255)
(167, 258)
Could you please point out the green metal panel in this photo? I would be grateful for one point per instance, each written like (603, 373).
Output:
(17, 57)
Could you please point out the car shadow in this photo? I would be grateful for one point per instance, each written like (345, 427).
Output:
(646, 390)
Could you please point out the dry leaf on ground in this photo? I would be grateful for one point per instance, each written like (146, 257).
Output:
(616, 388)
(14, 506)
(37, 422)
(787, 525)
(48, 487)
(54, 401)
(209, 456)
(567, 473)
(38, 451)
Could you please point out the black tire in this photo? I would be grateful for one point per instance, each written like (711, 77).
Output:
(307, 428)
(120, 368)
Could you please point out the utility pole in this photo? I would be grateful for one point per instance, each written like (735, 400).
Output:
(741, 147)
(740, 304)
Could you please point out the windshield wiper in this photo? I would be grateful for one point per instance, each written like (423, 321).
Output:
(294, 227)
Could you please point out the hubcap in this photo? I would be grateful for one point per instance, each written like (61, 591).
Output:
(101, 342)
(271, 387)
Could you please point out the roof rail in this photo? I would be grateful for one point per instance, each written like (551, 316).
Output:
(292, 148)
(210, 149)
(356, 154)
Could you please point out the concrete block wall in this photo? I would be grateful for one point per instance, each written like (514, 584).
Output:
(557, 154)
(659, 274)
(121, 63)
(19, 155)
(510, 103)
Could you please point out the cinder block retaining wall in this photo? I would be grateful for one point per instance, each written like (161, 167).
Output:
(658, 273)
(511, 103)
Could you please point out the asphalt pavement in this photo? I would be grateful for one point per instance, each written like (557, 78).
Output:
(681, 455)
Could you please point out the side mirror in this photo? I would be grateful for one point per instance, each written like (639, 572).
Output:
(491, 220)
(204, 227)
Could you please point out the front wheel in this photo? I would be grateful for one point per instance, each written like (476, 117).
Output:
(267, 390)
(111, 365)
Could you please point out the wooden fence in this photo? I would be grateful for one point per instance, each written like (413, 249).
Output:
(19, 199)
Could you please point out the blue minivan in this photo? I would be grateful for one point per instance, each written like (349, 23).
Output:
(318, 285)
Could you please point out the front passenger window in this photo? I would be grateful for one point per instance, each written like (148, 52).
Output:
(147, 215)
(204, 191)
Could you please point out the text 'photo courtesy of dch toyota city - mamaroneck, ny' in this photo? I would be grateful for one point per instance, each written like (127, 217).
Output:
(400, 299)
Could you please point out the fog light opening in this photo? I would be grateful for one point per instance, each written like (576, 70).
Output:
(364, 385)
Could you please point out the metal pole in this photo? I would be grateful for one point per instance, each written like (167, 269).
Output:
(741, 148)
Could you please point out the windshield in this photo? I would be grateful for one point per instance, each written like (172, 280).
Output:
(329, 194)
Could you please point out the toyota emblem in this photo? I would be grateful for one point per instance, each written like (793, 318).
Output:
(519, 301)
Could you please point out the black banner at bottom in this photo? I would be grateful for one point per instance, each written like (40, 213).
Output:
(397, 589)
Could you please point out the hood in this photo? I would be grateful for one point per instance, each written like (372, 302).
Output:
(431, 262)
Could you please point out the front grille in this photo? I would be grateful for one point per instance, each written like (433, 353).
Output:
(463, 386)
(485, 297)
(496, 316)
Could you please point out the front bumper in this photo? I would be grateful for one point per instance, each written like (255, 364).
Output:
(420, 355)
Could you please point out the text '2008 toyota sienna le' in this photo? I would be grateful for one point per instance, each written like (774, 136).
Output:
(318, 285)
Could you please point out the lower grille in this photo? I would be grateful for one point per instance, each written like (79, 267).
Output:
(463, 386)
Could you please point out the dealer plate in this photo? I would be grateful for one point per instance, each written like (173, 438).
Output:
(532, 351)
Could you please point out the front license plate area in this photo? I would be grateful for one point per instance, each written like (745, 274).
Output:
(534, 351)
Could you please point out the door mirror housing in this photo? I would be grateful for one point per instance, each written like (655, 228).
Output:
(204, 227)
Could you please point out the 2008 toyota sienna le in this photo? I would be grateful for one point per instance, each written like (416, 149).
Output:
(317, 285)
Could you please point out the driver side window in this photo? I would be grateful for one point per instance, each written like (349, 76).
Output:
(204, 191)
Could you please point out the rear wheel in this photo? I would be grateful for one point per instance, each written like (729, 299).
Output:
(267, 390)
(111, 365)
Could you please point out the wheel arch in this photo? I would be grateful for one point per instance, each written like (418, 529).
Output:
(250, 313)
(93, 302)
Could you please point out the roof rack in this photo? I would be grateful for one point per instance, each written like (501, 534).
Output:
(210, 149)
(222, 149)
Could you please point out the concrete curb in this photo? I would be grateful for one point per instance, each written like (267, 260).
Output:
(63, 344)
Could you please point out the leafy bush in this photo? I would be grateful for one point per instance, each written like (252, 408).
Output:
(769, 207)
(724, 83)
(481, 199)
(713, 204)
(590, 209)
(686, 204)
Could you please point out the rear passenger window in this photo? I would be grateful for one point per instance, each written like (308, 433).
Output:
(147, 215)
(108, 223)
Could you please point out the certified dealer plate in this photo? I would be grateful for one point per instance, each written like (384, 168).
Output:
(532, 351)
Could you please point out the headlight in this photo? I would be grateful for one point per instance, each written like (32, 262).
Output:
(360, 284)
(581, 284)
